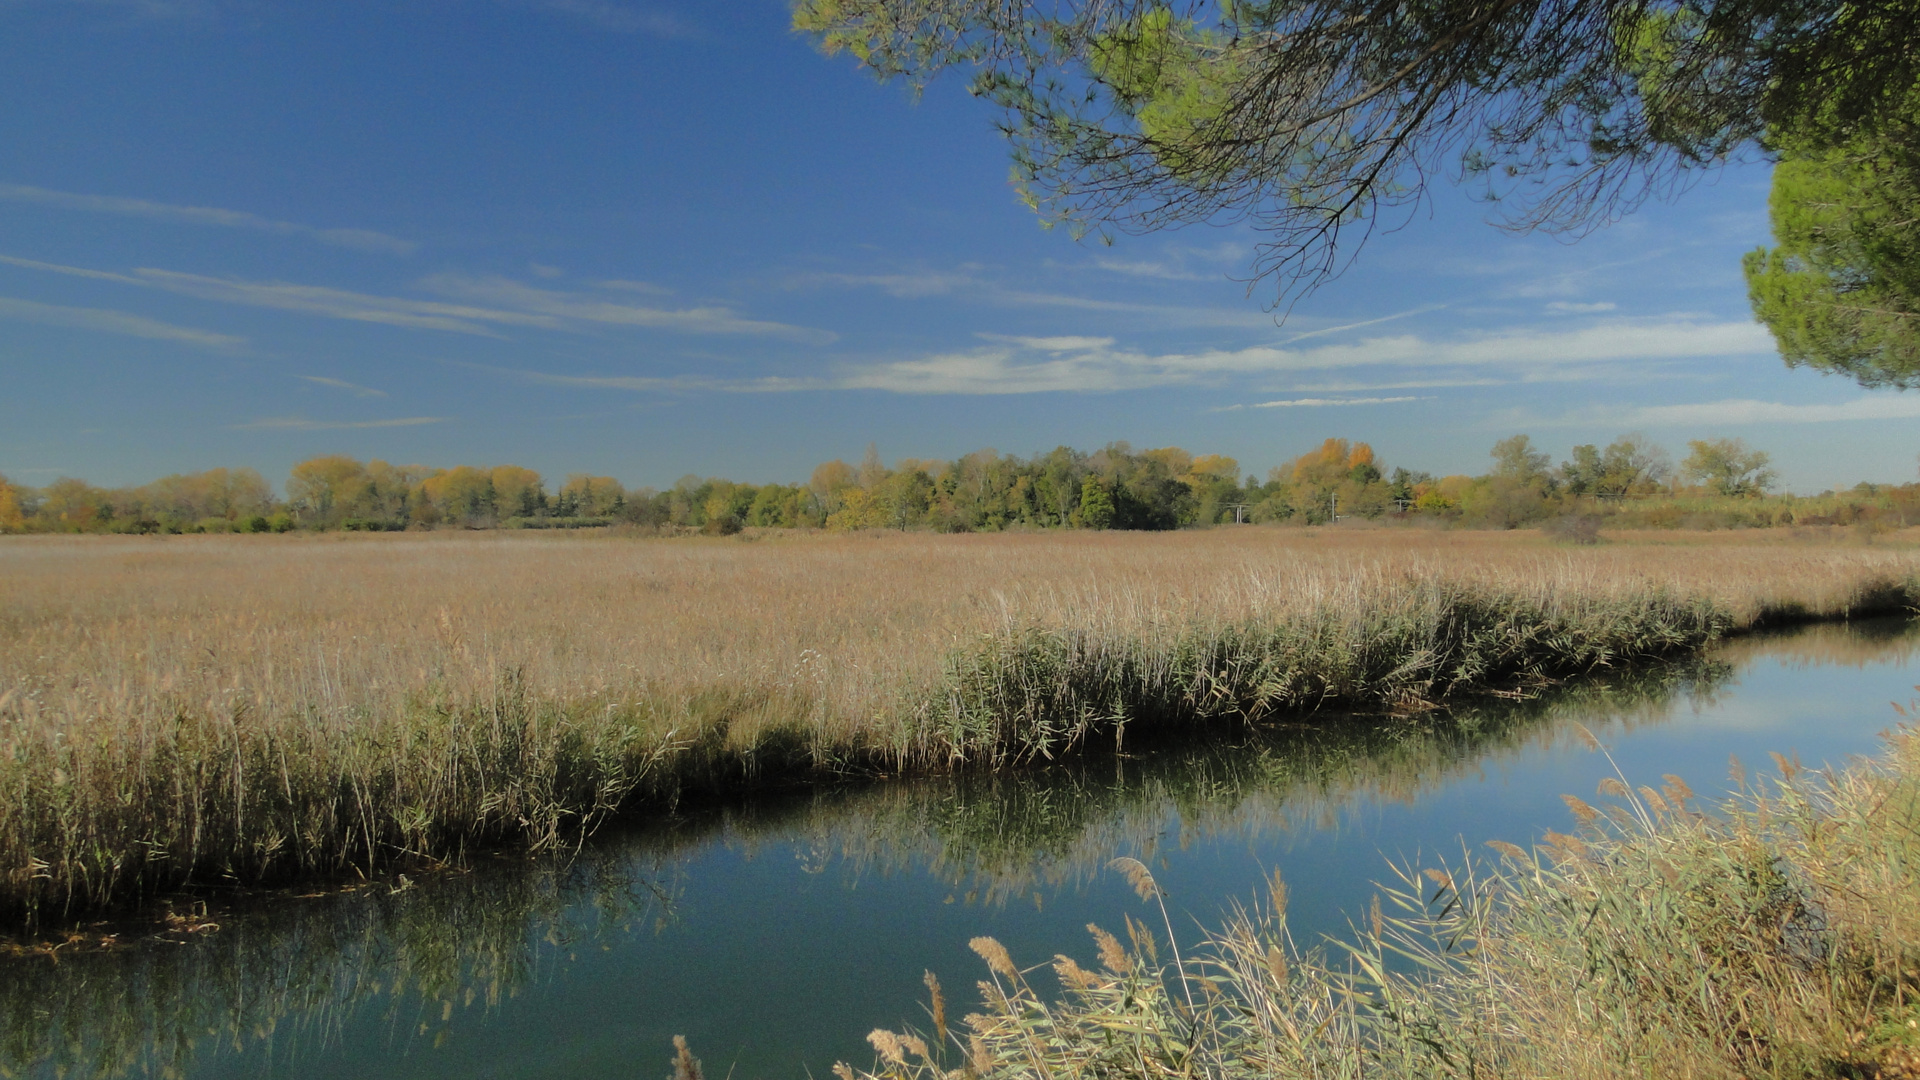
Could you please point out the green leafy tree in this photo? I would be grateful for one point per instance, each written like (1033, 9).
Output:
(1518, 490)
(1728, 467)
(1630, 465)
(1096, 504)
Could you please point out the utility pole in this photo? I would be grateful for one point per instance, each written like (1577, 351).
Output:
(1239, 512)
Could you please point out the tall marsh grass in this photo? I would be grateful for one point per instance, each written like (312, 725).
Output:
(205, 711)
(1778, 936)
(303, 973)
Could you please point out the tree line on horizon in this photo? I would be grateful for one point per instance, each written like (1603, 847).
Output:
(1115, 487)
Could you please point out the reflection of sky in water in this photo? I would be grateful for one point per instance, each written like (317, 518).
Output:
(781, 952)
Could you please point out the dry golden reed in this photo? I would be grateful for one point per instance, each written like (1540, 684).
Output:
(1777, 937)
(202, 710)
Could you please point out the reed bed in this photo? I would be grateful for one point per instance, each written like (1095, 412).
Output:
(296, 973)
(1777, 937)
(196, 711)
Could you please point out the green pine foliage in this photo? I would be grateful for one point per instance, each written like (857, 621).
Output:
(1841, 288)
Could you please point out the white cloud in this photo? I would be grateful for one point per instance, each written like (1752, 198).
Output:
(1747, 411)
(966, 280)
(1563, 307)
(635, 286)
(70, 271)
(1315, 403)
(1324, 331)
(341, 384)
(1013, 364)
(771, 384)
(341, 303)
(905, 286)
(1020, 366)
(619, 18)
(1051, 344)
(1350, 387)
(357, 239)
(301, 423)
(1006, 371)
(501, 302)
(113, 322)
(578, 307)
(1159, 270)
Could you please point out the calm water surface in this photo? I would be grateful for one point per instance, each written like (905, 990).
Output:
(775, 936)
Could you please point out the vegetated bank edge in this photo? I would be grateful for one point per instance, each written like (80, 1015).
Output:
(88, 825)
(1779, 937)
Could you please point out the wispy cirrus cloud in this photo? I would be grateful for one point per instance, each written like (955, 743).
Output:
(619, 18)
(591, 308)
(1040, 365)
(495, 303)
(311, 299)
(341, 303)
(357, 239)
(341, 384)
(301, 423)
(1318, 403)
(140, 9)
(1012, 364)
(1149, 268)
(770, 384)
(970, 281)
(113, 322)
(1735, 411)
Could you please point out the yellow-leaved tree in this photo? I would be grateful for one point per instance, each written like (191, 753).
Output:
(12, 514)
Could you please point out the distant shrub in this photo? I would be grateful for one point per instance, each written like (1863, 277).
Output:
(1574, 528)
(556, 523)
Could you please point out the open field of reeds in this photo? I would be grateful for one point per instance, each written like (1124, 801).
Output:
(208, 711)
(1777, 935)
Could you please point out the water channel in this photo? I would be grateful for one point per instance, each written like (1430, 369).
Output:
(775, 935)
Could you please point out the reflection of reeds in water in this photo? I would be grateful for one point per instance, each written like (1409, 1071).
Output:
(998, 838)
(285, 980)
(1855, 644)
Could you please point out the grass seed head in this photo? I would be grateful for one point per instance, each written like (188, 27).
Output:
(1138, 876)
(685, 1065)
(887, 1045)
(1277, 966)
(995, 954)
(1112, 956)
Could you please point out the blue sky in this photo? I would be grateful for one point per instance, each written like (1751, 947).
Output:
(647, 239)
